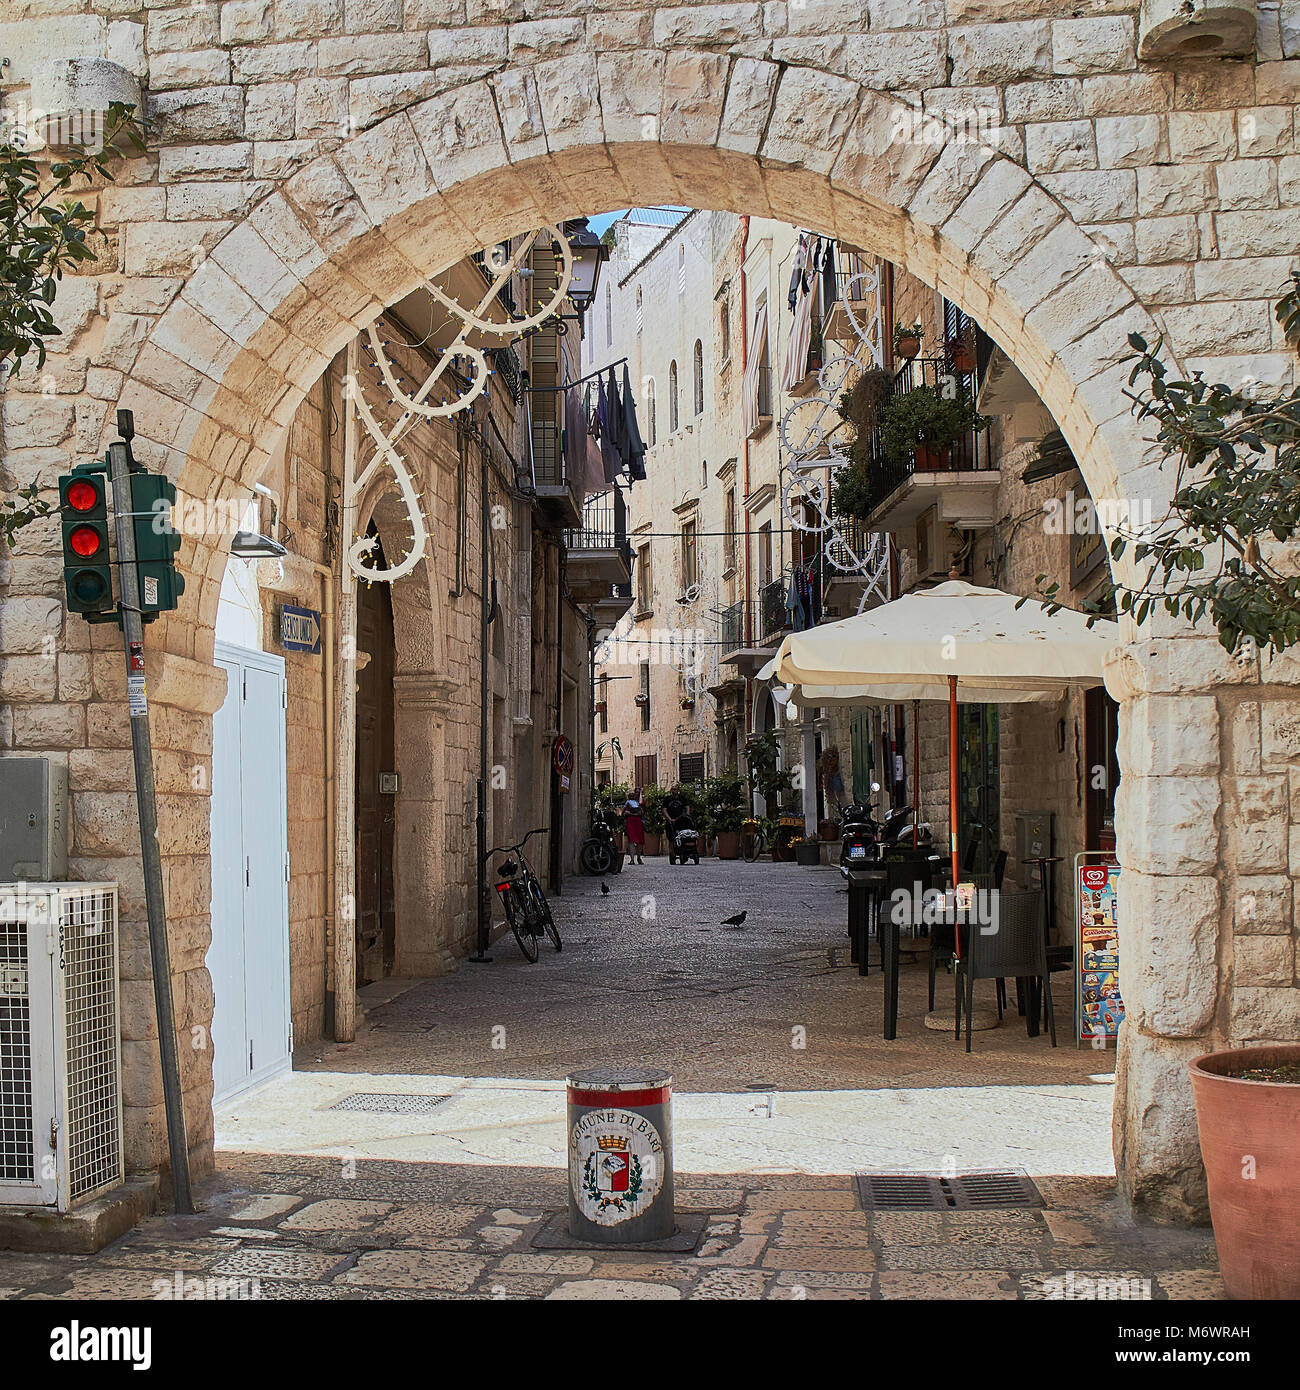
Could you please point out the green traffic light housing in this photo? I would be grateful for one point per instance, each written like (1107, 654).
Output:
(87, 565)
(156, 544)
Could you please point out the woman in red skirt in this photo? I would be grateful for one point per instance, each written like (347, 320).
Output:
(635, 827)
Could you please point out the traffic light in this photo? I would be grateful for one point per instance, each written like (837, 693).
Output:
(87, 569)
(156, 544)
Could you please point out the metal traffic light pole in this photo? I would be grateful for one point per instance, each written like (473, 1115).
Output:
(120, 460)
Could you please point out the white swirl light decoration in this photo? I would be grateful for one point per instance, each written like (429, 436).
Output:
(817, 448)
(417, 406)
(364, 545)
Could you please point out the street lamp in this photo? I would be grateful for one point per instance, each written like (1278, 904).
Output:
(588, 256)
(248, 545)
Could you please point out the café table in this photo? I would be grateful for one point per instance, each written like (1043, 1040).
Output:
(867, 901)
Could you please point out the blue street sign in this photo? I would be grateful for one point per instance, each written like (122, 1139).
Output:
(300, 630)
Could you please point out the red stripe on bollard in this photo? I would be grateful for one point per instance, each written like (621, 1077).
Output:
(610, 1100)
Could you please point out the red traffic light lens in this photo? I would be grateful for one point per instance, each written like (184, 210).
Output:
(85, 541)
(82, 496)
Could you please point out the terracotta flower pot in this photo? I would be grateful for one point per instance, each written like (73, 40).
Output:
(654, 844)
(929, 459)
(1250, 1141)
(907, 346)
(728, 844)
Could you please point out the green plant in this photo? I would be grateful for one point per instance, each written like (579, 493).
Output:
(907, 330)
(23, 507)
(1226, 545)
(924, 416)
(861, 404)
(766, 777)
(652, 805)
(42, 234)
(727, 802)
(612, 794)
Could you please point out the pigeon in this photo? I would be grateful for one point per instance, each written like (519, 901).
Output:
(735, 921)
(604, 890)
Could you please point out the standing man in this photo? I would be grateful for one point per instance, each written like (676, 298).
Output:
(677, 816)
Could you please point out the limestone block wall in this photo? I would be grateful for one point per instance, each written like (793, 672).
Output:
(309, 165)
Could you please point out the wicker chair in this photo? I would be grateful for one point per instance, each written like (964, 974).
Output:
(1014, 950)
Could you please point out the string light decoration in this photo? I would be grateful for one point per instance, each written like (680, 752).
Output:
(453, 397)
(807, 495)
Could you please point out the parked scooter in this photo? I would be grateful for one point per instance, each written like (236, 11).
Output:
(864, 839)
(600, 853)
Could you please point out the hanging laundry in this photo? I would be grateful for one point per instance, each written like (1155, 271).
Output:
(608, 444)
(635, 444)
(796, 275)
(829, 288)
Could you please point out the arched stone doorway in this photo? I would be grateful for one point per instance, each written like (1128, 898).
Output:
(345, 226)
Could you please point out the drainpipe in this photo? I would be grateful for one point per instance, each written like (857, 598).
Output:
(345, 971)
(744, 362)
(327, 610)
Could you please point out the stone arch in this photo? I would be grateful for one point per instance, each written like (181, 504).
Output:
(450, 165)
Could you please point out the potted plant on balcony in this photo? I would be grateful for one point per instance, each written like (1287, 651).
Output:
(907, 339)
(815, 347)
(1248, 1115)
(926, 423)
(808, 850)
(961, 350)
(725, 798)
(652, 803)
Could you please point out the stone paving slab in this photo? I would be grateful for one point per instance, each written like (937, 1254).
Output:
(768, 1137)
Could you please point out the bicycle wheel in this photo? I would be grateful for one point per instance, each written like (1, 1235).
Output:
(517, 915)
(596, 858)
(752, 848)
(544, 913)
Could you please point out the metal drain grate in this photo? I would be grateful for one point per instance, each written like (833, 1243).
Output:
(379, 1103)
(1010, 1187)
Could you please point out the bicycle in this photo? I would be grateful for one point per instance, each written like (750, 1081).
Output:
(753, 843)
(526, 908)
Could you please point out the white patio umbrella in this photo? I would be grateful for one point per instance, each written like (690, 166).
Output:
(957, 641)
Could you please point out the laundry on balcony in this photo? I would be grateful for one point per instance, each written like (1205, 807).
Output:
(634, 445)
(803, 600)
(583, 466)
(612, 421)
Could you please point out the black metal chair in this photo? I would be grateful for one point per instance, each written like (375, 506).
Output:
(1014, 949)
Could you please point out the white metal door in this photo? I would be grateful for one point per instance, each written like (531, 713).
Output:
(249, 955)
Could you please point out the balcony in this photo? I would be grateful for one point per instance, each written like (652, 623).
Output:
(737, 646)
(849, 291)
(598, 556)
(955, 486)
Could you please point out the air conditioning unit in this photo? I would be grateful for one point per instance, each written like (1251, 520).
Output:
(60, 1054)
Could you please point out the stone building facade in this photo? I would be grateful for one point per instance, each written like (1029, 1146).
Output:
(311, 163)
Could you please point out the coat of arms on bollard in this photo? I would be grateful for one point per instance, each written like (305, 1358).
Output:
(621, 1155)
(620, 1165)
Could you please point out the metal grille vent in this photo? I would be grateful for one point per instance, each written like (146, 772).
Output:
(86, 938)
(1010, 1187)
(17, 1155)
(379, 1103)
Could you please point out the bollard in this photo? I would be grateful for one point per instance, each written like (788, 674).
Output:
(621, 1155)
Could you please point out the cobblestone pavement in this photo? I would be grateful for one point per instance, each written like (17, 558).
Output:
(446, 1198)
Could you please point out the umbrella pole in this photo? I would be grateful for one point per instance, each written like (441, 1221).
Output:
(916, 771)
(952, 781)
